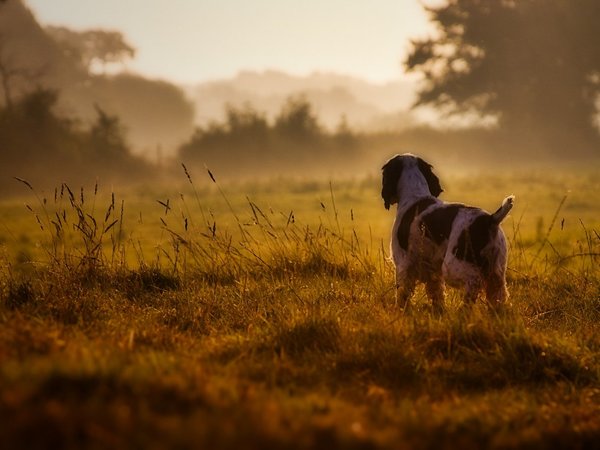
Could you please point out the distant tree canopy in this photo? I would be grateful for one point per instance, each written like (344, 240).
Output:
(85, 67)
(153, 111)
(44, 147)
(533, 64)
(246, 137)
(297, 120)
(92, 46)
(107, 137)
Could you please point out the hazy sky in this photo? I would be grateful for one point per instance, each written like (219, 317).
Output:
(195, 40)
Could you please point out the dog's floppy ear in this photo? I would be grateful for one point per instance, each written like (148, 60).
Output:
(392, 170)
(432, 181)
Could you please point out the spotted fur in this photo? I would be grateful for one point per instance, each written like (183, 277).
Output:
(408, 218)
(440, 243)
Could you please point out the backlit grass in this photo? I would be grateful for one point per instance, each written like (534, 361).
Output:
(261, 316)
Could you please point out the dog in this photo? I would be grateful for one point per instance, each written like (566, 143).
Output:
(439, 243)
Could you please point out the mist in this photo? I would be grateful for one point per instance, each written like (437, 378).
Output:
(71, 110)
(241, 261)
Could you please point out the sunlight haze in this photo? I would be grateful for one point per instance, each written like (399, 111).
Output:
(189, 41)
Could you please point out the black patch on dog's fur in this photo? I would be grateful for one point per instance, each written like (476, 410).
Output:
(473, 240)
(408, 217)
(438, 223)
(392, 170)
(433, 182)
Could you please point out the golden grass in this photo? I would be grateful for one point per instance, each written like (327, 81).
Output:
(209, 319)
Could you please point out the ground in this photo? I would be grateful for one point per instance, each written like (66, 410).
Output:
(262, 316)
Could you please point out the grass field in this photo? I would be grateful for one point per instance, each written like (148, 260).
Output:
(261, 316)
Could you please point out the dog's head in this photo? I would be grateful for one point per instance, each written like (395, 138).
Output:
(393, 171)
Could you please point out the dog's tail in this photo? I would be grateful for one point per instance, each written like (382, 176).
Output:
(503, 211)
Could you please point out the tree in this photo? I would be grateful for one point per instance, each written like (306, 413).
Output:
(297, 121)
(7, 73)
(92, 47)
(107, 138)
(11, 72)
(343, 134)
(246, 124)
(532, 64)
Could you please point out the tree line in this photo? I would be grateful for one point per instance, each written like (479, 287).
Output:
(39, 144)
(531, 65)
(87, 67)
(247, 138)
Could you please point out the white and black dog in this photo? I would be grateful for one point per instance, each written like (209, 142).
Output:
(435, 243)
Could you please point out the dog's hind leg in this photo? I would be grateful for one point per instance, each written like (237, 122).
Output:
(472, 290)
(435, 291)
(495, 289)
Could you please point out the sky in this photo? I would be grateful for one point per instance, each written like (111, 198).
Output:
(191, 41)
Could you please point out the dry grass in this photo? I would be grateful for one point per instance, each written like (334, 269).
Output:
(262, 331)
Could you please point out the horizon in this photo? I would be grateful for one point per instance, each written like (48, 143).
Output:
(368, 42)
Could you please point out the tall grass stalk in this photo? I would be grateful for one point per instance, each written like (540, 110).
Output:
(257, 329)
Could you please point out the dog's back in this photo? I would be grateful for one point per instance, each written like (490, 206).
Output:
(466, 245)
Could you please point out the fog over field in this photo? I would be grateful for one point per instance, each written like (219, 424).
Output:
(102, 119)
(195, 233)
(364, 105)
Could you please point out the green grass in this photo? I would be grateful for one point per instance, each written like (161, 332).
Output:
(261, 316)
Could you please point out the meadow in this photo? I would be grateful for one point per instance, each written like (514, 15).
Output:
(261, 315)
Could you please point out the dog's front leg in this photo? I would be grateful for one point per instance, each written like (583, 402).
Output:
(405, 286)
